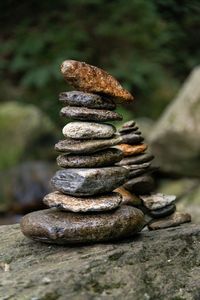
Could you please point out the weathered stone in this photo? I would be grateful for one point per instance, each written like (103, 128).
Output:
(103, 158)
(139, 166)
(129, 124)
(88, 182)
(77, 98)
(53, 226)
(90, 146)
(140, 185)
(128, 198)
(161, 264)
(131, 139)
(91, 79)
(89, 114)
(129, 150)
(93, 204)
(138, 172)
(157, 201)
(88, 130)
(138, 159)
(163, 212)
(173, 220)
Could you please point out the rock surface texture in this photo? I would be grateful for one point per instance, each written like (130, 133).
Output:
(161, 264)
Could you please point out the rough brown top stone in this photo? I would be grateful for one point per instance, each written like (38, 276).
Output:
(91, 79)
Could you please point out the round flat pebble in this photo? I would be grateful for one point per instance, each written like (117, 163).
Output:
(128, 129)
(89, 182)
(175, 219)
(89, 114)
(128, 198)
(157, 201)
(88, 130)
(58, 227)
(163, 212)
(129, 150)
(138, 159)
(103, 158)
(76, 204)
(140, 185)
(77, 98)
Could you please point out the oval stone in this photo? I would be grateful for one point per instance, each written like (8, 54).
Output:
(78, 98)
(129, 150)
(87, 204)
(163, 212)
(57, 227)
(89, 114)
(88, 182)
(104, 158)
(140, 185)
(88, 130)
(138, 159)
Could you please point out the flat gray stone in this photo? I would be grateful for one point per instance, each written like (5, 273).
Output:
(163, 212)
(139, 172)
(137, 159)
(103, 158)
(88, 130)
(57, 227)
(89, 182)
(77, 98)
(87, 204)
(173, 220)
(157, 201)
(89, 114)
(140, 185)
(128, 129)
(132, 138)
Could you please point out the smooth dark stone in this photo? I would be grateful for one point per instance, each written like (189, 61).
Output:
(163, 212)
(140, 185)
(88, 130)
(138, 159)
(173, 220)
(87, 204)
(139, 172)
(89, 114)
(88, 182)
(126, 130)
(57, 227)
(132, 139)
(77, 98)
(102, 158)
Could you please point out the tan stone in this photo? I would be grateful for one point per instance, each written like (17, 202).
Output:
(173, 220)
(128, 198)
(129, 150)
(88, 78)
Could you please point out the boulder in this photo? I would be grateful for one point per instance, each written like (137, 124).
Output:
(175, 137)
(21, 127)
(154, 265)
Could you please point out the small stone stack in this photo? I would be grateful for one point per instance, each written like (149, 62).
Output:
(159, 209)
(84, 207)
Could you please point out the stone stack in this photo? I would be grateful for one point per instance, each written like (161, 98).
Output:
(84, 207)
(159, 209)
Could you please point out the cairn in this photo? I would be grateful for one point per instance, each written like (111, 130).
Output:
(83, 207)
(159, 209)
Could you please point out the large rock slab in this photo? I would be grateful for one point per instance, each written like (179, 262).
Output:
(175, 137)
(162, 264)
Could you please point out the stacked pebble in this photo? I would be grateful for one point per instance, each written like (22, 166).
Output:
(159, 209)
(84, 207)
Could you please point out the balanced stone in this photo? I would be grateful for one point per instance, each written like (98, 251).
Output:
(157, 201)
(88, 182)
(132, 139)
(89, 114)
(54, 226)
(88, 78)
(76, 204)
(128, 198)
(163, 212)
(128, 129)
(137, 167)
(129, 150)
(140, 185)
(103, 158)
(175, 219)
(138, 172)
(138, 159)
(88, 130)
(77, 98)
(129, 124)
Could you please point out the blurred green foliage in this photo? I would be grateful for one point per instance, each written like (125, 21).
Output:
(150, 46)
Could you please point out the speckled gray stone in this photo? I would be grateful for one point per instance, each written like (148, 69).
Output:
(103, 158)
(157, 201)
(89, 114)
(87, 204)
(77, 98)
(88, 130)
(88, 182)
(57, 227)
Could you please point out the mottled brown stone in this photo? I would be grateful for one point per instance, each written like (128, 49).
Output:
(87, 204)
(54, 226)
(129, 150)
(128, 198)
(173, 220)
(88, 78)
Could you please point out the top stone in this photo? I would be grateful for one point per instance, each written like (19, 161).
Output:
(88, 78)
